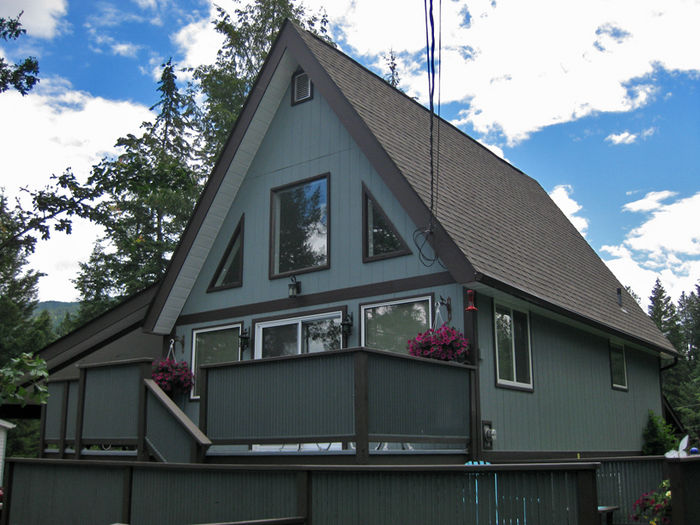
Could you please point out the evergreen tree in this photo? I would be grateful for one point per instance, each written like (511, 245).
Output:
(248, 35)
(392, 77)
(663, 313)
(19, 331)
(147, 195)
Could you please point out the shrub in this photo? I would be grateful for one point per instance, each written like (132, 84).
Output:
(658, 436)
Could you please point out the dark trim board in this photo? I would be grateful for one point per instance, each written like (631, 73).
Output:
(544, 456)
(321, 298)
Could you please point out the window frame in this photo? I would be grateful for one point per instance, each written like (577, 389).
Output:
(193, 355)
(237, 233)
(366, 257)
(613, 346)
(506, 383)
(402, 300)
(283, 320)
(273, 245)
(294, 101)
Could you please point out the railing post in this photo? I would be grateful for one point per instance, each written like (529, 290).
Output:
(126, 494)
(203, 380)
(80, 414)
(587, 492)
(8, 478)
(141, 453)
(42, 432)
(304, 495)
(64, 421)
(361, 408)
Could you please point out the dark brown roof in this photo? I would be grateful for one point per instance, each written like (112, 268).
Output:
(503, 221)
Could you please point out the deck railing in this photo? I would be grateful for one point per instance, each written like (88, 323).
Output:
(48, 492)
(117, 406)
(354, 395)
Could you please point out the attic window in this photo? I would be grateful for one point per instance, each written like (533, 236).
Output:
(302, 89)
(229, 273)
(380, 238)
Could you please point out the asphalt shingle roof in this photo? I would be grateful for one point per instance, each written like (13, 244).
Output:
(502, 220)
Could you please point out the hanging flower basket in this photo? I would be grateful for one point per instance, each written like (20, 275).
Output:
(172, 376)
(444, 343)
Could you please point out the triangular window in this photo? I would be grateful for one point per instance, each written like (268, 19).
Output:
(380, 238)
(229, 273)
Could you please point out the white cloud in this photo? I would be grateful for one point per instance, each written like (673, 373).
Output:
(125, 49)
(622, 138)
(41, 18)
(650, 202)
(561, 195)
(666, 245)
(55, 127)
(522, 66)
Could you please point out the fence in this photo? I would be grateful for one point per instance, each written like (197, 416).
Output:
(47, 492)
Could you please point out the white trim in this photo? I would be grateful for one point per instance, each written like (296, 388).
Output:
(193, 360)
(292, 320)
(418, 299)
(515, 382)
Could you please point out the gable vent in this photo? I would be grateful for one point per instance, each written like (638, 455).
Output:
(301, 88)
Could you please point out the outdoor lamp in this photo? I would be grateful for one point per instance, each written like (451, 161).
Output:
(294, 287)
(346, 325)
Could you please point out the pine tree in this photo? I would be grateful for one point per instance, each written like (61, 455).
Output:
(148, 193)
(663, 313)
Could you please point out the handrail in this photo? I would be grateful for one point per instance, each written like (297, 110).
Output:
(354, 350)
(294, 520)
(177, 413)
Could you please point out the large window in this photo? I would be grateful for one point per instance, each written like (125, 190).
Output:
(214, 345)
(230, 270)
(618, 367)
(513, 359)
(389, 325)
(380, 238)
(300, 225)
(298, 335)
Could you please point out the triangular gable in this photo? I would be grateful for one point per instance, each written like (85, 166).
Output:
(288, 53)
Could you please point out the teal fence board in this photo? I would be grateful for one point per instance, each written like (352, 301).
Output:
(169, 439)
(53, 411)
(417, 398)
(112, 402)
(61, 495)
(286, 399)
(172, 497)
(622, 481)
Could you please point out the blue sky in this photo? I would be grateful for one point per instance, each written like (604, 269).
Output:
(598, 102)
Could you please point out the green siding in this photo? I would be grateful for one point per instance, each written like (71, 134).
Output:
(573, 406)
(304, 141)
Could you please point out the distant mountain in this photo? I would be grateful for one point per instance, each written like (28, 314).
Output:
(57, 310)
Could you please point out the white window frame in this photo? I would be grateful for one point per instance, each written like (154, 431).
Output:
(218, 328)
(505, 382)
(334, 314)
(392, 302)
(621, 347)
